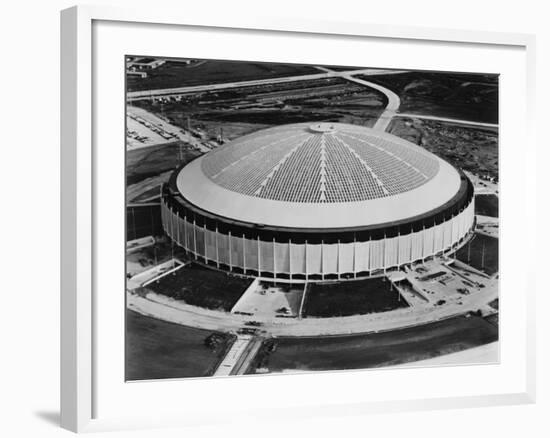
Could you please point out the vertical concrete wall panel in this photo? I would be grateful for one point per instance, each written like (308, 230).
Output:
(189, 236)
(390, 253)
(330, 258)
(223, 249)
(464, 225)
(416, 243)
(455, 229)
(428, 235)
(447, 234)
(346, 258)
(438, 238)
(210, 239)
(180, 231)
(298, 258)
(266, 256)
(362, 256)
(314, 261)
(199, 235)
(251, 249)
(282, 257)
(376, 254)
(405, 243)
(237, 254)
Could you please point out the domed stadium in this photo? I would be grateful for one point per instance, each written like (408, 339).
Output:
(317, 201)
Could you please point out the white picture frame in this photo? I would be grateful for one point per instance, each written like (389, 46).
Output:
(79, 200)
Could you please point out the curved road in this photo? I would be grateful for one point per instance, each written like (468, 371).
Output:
(381, 124)
(391, 108)
(167, 309)
(393, 99)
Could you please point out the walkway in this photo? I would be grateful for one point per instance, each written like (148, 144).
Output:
(236, 351)
(137, 244)
(154, 273)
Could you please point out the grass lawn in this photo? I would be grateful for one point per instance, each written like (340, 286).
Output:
(351, 298)
(380, 349)
(468, 96)
(157, 349)
(481, 253)
(203, 287)
(487, 205)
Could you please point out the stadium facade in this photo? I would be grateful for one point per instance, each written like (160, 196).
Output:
(319, 201)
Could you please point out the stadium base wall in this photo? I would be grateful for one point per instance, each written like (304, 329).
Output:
(288, 259)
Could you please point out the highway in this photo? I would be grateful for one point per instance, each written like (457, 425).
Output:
(167, 92)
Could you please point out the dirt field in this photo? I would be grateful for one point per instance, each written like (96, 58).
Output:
(244, 110)
(378, 350)
(472, 149)
(161, 350)
(466, 96)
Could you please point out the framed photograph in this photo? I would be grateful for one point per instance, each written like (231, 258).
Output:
(316, 225)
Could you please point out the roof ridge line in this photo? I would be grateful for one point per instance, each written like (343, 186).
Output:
(254, 152)
(365, 164)
(279, 164)
(387, 153)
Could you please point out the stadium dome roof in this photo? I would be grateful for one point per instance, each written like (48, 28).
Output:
(324, 175)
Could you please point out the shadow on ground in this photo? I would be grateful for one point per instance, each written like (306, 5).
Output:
(51, 417)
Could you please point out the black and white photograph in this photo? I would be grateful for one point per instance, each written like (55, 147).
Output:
(288, 218)
(230, 219)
